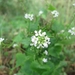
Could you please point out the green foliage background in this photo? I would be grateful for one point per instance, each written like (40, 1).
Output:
(14, 10)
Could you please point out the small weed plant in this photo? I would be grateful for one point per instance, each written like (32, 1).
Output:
(40, 44)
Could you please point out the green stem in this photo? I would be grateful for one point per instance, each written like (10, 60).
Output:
(72, 19)
(0, 55)
(28, 27)
(0, 50)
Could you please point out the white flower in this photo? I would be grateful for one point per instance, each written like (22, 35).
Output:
(47, 39)
(40, 13)
(74, 4)
(55, 13)
(15, 45)
(46, 52)
(44, 60)
(73, 28)
(44, 33)
(45, 45)
(29, 16)
(26, 16)
(34, 40)
(72, 31)
(40, 40)
(1, 40)
(36, 33)
(39, 32)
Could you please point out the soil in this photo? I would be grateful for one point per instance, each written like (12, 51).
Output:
(73, 73)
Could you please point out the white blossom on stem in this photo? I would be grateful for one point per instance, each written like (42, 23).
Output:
(46, 52)
(55, 13)
(29, 16)
(72, 31)
(1, 40)
(44, 60)
(40, 39)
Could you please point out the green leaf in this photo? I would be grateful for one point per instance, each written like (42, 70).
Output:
(51, 7)
(26, 68)
(26, 42)
(55, 51)
(33, 27)
(57, 27)
(51, 68)
(18, 22)
(58, 68)
(18, 38)
(20, 59)
(38, 67)
(30, 52)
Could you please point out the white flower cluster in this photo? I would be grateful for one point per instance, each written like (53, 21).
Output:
(1, 40)
(55, 13)
(29, 16)
(40, 40)
(72, 31)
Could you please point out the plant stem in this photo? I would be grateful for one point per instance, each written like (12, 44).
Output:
(0, 56)
(72, 19)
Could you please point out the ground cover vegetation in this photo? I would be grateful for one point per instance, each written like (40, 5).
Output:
(37, 38)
